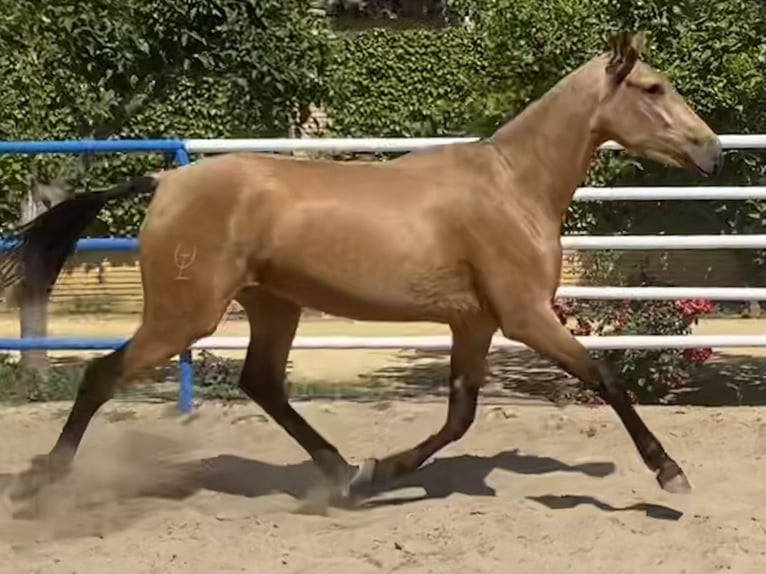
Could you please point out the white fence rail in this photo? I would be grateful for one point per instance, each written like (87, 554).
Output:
(636, 242)
(668, 293)
(442, 343)
(728, 141)
(670, 193)
(663, 242)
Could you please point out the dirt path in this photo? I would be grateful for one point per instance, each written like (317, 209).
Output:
(529, 489)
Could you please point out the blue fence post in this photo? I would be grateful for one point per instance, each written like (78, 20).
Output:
(185, 360)
(181, 157)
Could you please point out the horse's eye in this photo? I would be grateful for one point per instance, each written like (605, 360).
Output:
(653, 89)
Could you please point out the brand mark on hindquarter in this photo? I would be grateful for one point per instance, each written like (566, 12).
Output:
(184, 257)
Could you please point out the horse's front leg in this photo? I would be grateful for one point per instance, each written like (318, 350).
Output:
(468, 367)
(536, 325)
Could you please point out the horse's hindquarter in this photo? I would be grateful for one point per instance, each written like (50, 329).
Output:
(365, 242)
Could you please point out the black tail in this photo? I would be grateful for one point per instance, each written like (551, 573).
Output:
(43, 244)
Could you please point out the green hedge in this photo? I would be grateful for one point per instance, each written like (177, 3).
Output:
(412, 83)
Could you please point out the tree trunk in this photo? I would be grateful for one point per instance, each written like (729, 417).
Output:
(754, 310)
(33, 313)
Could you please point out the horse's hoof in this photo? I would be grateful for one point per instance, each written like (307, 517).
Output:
(43, 470)
(345, 491)
(672, 478)
(362, 482)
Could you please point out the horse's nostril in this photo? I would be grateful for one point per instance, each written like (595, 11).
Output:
(696, 141)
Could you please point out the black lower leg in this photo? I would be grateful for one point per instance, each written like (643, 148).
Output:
(460, 417)
(468, 367)
(669, 474)
(270, 395)
(551, 338)
(97, 386)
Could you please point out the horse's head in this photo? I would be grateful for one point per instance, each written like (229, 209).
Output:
(642, 111)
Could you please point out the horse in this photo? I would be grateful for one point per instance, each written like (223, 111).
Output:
(467, 235)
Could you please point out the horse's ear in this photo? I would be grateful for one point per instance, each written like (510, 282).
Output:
(625, 50)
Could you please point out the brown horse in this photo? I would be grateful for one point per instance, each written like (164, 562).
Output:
(468, 235)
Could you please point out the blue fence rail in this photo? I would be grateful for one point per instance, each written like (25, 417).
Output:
(92, 146)
(94, 244)
(181, 157)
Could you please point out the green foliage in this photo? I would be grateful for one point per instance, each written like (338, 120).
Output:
(217, 377)
(19, 385)
(216, 68)
(411, 83)
(529, 45)
(149, 68)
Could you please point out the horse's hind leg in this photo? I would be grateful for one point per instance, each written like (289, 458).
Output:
(164, 332)
(273, 323)
(468, 367)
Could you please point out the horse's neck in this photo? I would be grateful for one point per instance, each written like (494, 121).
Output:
(549, 146)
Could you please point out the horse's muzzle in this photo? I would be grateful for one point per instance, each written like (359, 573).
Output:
(707, 156)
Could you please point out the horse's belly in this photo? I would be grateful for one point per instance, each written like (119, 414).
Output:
(397, 296)
(346, 262)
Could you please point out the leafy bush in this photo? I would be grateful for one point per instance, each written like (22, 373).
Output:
(21, 385)
(650, 375)
(217, 377)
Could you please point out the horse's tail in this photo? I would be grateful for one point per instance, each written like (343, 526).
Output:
(41, 246)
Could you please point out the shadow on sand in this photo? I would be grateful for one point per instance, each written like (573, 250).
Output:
(465, 474)
(569, 501)
(726, 380)
(129, 500)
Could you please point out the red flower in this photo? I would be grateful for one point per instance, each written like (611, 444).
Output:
(694, 307)
(677, 380)
(698, 355)
(620, 320)
(562, 310)
(583, 327)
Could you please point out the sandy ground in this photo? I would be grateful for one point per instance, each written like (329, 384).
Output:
(530, 488)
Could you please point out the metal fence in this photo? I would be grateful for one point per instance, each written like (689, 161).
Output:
(182, 148)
